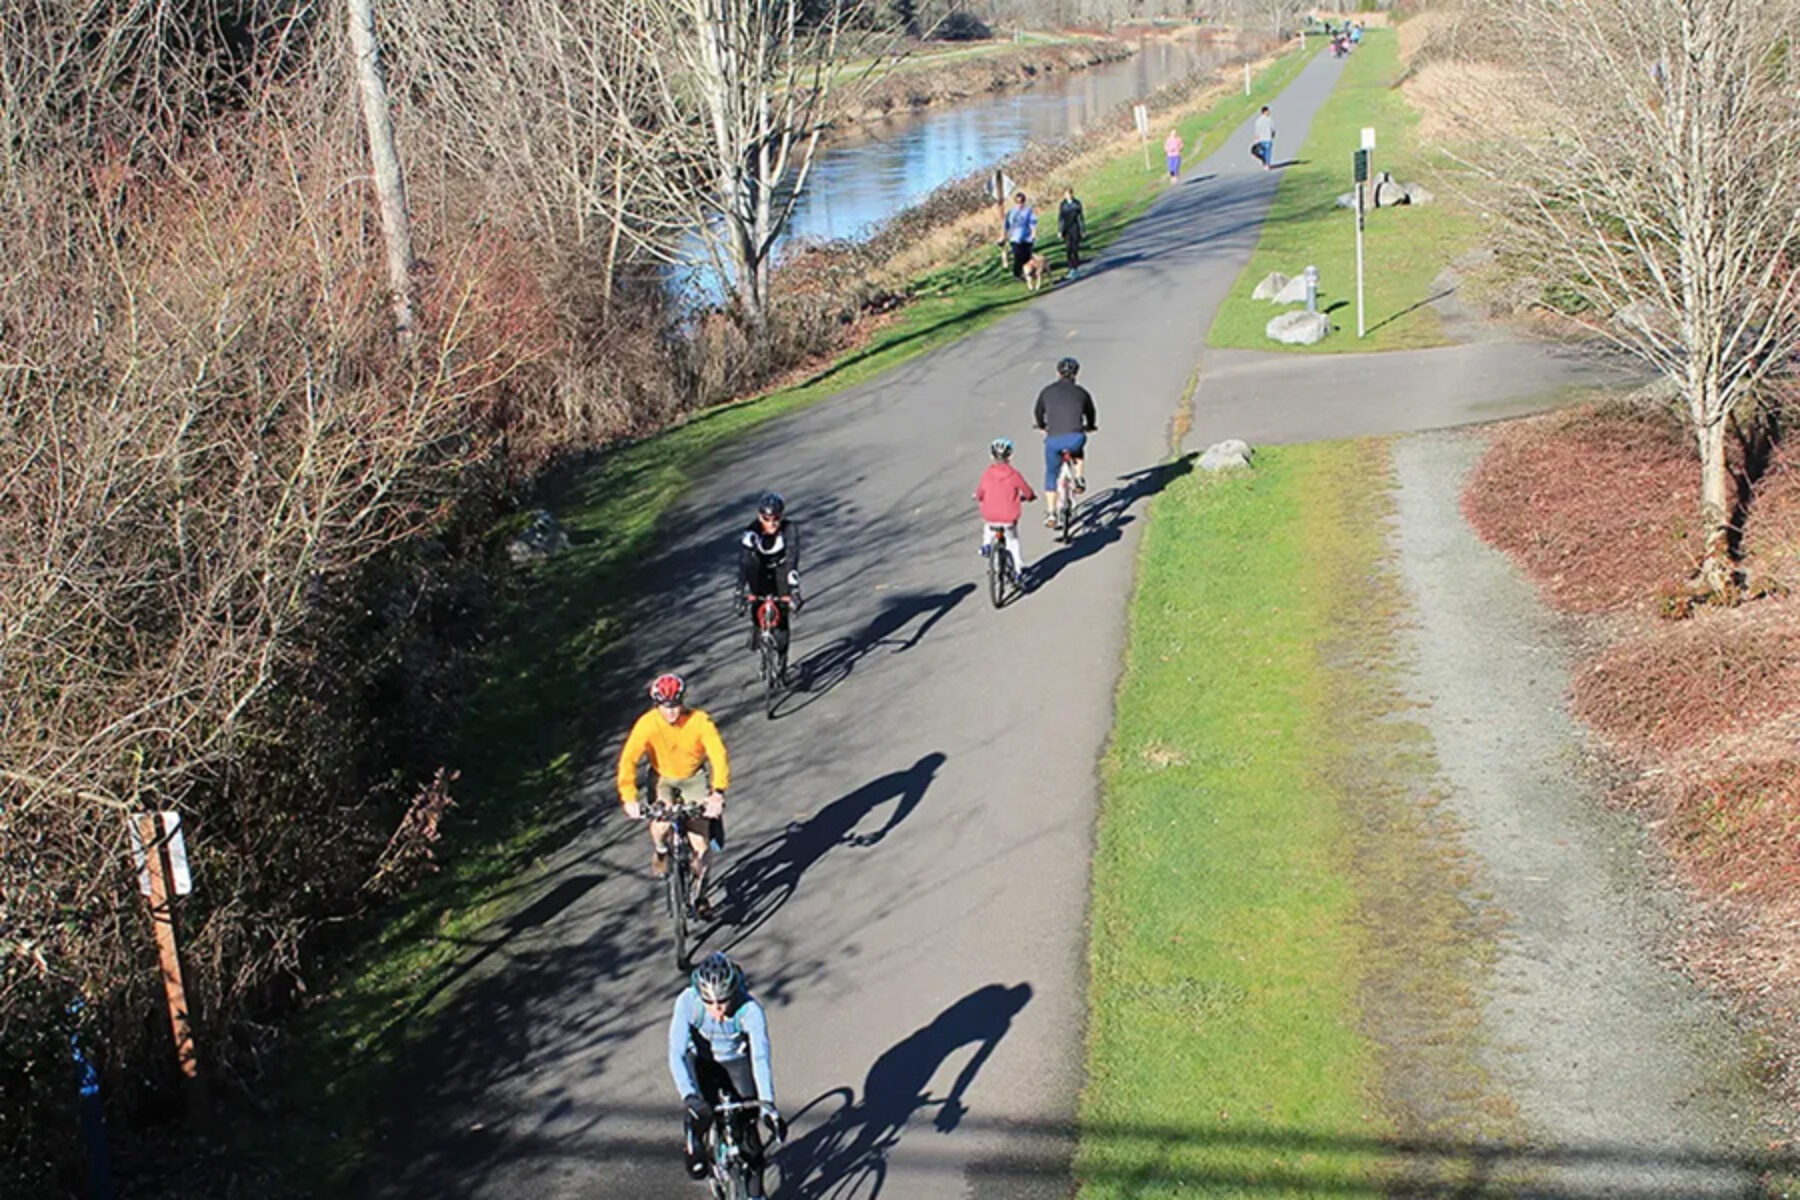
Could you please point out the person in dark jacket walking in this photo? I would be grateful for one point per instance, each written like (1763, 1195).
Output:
(1072, 224)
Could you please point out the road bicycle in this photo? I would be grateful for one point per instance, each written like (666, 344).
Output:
(1002, 575)
(772, 659)
(683, 914)
(1065, 498)
(729, 1156)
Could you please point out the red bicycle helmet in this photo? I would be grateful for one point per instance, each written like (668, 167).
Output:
(668, 689)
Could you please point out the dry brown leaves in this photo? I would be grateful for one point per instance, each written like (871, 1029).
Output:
(1597, 506)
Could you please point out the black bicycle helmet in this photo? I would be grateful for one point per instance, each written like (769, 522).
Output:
(771, 505)
(717, 979)
(1068, 368)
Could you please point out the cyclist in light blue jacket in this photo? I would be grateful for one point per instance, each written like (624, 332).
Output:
(719, 1046)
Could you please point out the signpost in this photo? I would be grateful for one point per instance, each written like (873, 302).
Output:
(1140, 116)
(1360, 167)
(161, 856)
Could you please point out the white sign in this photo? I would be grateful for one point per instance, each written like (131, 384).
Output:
(178, 864)
(1368, 137)
(999, 186)
(179, 877)
(1141, 115)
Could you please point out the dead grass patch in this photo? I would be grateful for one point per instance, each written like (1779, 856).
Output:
(1597, 504)
(1460, 102)
(1739, 833)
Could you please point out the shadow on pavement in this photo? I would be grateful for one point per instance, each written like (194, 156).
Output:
(831, 664)
(847, 1154)
(766, 877)
(1101, 520)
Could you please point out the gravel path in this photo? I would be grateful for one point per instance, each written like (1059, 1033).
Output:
(1627, 1080)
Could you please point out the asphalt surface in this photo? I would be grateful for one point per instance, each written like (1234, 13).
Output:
(910, 836)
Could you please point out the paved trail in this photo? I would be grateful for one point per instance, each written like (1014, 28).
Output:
(910, 838)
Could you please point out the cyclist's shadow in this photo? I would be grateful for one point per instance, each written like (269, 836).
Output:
(832, 663)
(1102, 519)
(765, 878)
(845, 1157)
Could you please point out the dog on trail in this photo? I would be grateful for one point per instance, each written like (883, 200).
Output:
(1033, 272)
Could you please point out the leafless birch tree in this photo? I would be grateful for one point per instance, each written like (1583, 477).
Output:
(743, 88)
(1660, 200)
(384, 158)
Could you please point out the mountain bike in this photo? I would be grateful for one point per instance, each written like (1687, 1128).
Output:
(1001, 572)
(770, 654)
(682, 914)
(729, 1177)
(1065, 498)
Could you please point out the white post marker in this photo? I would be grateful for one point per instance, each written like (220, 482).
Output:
(1140, 116)
(999, 187)
(1367, 173)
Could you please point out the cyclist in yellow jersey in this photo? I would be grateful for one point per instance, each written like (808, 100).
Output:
(680, 742)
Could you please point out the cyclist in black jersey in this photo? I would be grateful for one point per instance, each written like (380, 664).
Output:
(1065, 412)
(769, 564)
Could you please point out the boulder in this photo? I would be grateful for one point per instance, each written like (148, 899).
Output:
(1388, 194)
(1294, 292)
(1418, 193)
(1298, 328)
(1271, 283)
(543, 538)
(1227, 455)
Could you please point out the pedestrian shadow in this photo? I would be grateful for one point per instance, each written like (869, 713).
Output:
(1101, 521)
(823, 669)
(847, 1154)
(760, 882)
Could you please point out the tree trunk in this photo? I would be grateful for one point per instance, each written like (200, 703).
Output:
(384, 159)
(1716, 494)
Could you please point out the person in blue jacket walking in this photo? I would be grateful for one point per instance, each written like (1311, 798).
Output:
(1021, 234)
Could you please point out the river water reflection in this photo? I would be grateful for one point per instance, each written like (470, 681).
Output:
(865, 175)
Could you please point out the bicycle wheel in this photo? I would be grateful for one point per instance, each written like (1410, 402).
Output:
(1065, 507)
(678, 899)
(997, 572)
(771, 673)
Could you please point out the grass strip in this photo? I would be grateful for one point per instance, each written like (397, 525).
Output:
(1404, 249)
(525, 739)
(1226, 1052)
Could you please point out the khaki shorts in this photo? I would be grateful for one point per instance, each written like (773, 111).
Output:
(693, 790)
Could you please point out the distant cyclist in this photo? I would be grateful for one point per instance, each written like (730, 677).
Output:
(769, 565)
(1002, 494)
(719, 1047)
(680, 742)
(1065, 412)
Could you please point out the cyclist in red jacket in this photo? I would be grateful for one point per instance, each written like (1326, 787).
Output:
(1002, 494)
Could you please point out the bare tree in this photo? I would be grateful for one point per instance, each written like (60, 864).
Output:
(744, 88)
(1660, 199)
(384, 157)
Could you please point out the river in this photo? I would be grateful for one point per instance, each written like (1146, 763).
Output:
(866, 174)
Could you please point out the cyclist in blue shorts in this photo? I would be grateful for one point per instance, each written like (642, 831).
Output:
(1065, 412)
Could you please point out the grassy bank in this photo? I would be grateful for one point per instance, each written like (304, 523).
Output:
(1404, 248)
(1225, 1051)
(527, 737)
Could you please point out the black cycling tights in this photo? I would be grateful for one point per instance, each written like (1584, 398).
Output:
(735, 1079)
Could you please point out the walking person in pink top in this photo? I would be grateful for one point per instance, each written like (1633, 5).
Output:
(1002, 494)
(1172, 151)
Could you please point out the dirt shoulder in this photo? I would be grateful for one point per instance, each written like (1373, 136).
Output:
(1701, 716)
(1626, 1077)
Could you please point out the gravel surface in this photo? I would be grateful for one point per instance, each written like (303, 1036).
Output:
(1627, 1080)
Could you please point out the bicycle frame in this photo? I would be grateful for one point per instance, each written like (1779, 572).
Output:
(727, 1151)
